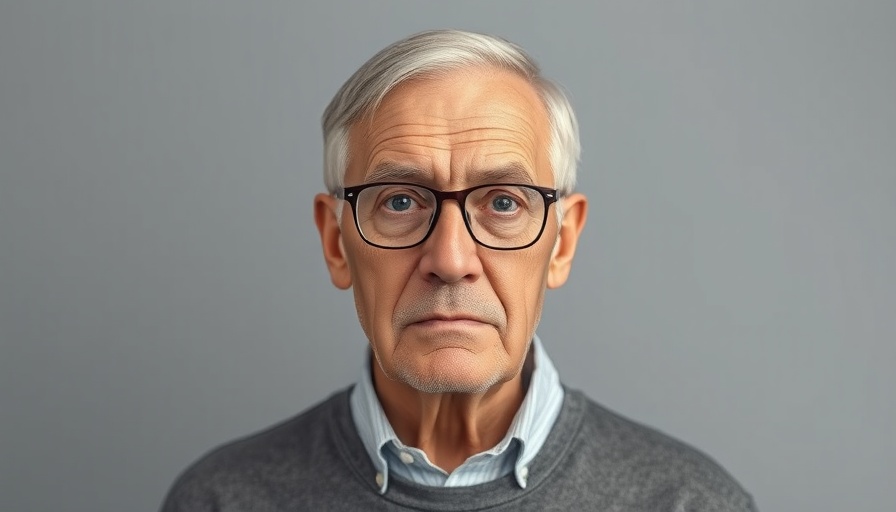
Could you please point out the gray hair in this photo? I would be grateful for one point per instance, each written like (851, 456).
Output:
(435, 52)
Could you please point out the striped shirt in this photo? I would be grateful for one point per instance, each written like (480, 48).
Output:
(528, 431)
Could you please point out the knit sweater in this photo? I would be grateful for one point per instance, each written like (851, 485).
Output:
(593, 459)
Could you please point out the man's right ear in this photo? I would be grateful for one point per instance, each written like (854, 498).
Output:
(331, 240)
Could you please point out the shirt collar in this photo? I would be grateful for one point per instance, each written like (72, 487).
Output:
(530, 426)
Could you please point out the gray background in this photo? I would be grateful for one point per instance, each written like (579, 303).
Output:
(162, 290)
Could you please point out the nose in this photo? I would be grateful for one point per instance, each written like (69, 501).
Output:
(450, 254)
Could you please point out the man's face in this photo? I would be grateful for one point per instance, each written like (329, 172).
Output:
(450, 315)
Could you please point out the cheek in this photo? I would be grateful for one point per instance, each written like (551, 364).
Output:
(519, 281)
(378, 278)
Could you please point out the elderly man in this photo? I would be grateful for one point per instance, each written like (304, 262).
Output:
(450, 164)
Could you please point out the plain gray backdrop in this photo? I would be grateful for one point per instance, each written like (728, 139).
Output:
(162, 289)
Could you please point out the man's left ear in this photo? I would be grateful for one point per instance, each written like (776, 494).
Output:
(575, 210)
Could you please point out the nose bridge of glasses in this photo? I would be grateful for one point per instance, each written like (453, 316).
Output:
(446, 199)
(459, 196)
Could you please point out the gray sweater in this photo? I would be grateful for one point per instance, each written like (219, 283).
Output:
(593, 459)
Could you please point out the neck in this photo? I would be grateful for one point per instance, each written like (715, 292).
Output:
(451, 427)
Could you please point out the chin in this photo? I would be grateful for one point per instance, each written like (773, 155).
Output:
(450, 375)
(437, 385)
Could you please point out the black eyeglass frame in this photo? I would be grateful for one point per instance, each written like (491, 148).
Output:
(350, 194)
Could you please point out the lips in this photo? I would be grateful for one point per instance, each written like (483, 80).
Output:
(447, 320)
(453, 318)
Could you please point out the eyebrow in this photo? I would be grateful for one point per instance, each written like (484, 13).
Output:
(513, 172)
(389, 171)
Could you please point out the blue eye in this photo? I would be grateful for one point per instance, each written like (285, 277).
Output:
(399, 203)
(503, 204)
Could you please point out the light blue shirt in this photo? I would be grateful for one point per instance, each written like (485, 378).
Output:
(527, 433)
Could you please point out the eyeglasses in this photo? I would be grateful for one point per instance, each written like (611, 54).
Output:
(402, 215)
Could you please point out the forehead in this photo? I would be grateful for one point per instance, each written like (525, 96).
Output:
(465, 127)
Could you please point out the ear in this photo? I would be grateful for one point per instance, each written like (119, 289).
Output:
(575, 210)
(331, 240)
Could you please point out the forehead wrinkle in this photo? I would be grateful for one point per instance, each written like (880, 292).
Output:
(501, 117)
(438, 139)
(511, 127)
(469, 136)
(513, 115)
(378, 130)
(399, 141)
(375, 153)
(516, 162)
(489, 146)
(449, 139)
(492, 142)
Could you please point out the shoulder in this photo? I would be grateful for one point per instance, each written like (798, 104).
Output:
(649, 467)
(287, 454)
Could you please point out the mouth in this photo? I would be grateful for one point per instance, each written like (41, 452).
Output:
(459, 320)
